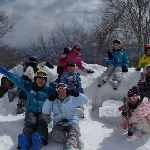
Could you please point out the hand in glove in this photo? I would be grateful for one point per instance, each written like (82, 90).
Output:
(110, 55)
(138, 69)
(53, 96)
(49, 65)
(53, 84)
(124, 69)
(74, 93)
(4, 71)
(67, 50)
(88, 70)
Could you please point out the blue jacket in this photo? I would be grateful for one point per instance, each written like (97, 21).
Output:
(65, 109)
(36, 96)
(70, 78)
(120, 58)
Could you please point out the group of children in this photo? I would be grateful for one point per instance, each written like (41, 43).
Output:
(66, 102)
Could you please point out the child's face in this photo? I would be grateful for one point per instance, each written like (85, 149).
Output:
(40, 82)
(148, 52)
(62, 94)
(70, 68)
(116, 46)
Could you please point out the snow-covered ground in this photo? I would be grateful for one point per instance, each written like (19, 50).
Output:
(96, 127)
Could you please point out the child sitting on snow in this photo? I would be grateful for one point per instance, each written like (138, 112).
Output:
(135, 115)
(73, 80)
(118, 62)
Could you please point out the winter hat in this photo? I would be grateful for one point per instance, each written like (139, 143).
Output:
(117, 41)
(70, 63)
(147, 47)
(77, 45)
(61, 86)
(40, 74)
(33, 59)
(135, 91)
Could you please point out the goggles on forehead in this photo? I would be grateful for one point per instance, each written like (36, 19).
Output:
(133, 98)
(41, 74)
(70, 63)
(61, 86)
(77, 48)
(148, 70)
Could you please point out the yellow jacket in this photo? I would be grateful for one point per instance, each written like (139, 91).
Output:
(145, 60)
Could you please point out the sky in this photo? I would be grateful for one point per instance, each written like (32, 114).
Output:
(35, 16)
(97, 126)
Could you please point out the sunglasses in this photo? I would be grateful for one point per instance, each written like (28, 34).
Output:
(133, 98)
(41, 74)
(148, 70)
(77, 48)
(61, 86)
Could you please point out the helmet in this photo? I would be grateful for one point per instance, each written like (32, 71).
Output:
(40, 74)
(78, 46)
(61, 86)
(147, 46)
(117, 41)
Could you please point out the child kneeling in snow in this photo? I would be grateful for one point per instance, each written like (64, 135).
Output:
(63, 104)
(73, 80)
(135, 117)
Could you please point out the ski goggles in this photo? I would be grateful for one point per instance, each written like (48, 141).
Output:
(77, 48)
(61, 86)
(148, 70)
(133, 98)
(41, 74)
(70, 63)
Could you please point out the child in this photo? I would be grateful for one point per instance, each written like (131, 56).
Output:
(144, 83)
(35, 128)
(63, 104)
(118, 62)
(136, 118)
(145, 60)
(70, 54)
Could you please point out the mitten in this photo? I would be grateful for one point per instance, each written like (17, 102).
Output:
(138, 69)
(124, 69)
(67, 50)
(53, 84)
(110, 55)
(4, 71)
(49, 65)
(53, 97)
(76, 85)
(74, 93)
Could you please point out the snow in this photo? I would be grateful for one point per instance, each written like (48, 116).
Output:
(101, 115)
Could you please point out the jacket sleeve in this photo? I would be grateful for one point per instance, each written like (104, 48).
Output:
(81, 100)
(63, 78)
(79, 64)
(78, 80)
(60, 58)
(125, 59)
(141, 61)
(47, 107)
(20, 82)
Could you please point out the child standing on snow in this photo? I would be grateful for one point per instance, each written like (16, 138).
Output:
(145, 60)
(70, 54)
(118, 63)
(63, 105)
(35, 129)
(135, 115)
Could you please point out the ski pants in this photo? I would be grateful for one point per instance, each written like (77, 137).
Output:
(36, 122)
(68, 134)
(142, 124)
(114, 71)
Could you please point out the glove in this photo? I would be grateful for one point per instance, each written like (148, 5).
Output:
(76, 85)
(88, 70)
(124, 114)
(124, 69)
(74, 93)
(49, 65)
(53, 84)
(138, 69)
(53, 97)
(110, 55)
(67, 50)
(4, 71)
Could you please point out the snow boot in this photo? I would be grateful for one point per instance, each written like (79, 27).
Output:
(121, 128)
(37, 141)
(101, 81)
(23, 142)
(133, 137)
(114, 84)
(80, 111)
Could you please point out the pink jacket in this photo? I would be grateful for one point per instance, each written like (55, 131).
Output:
(143, 110)
(70, 56)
